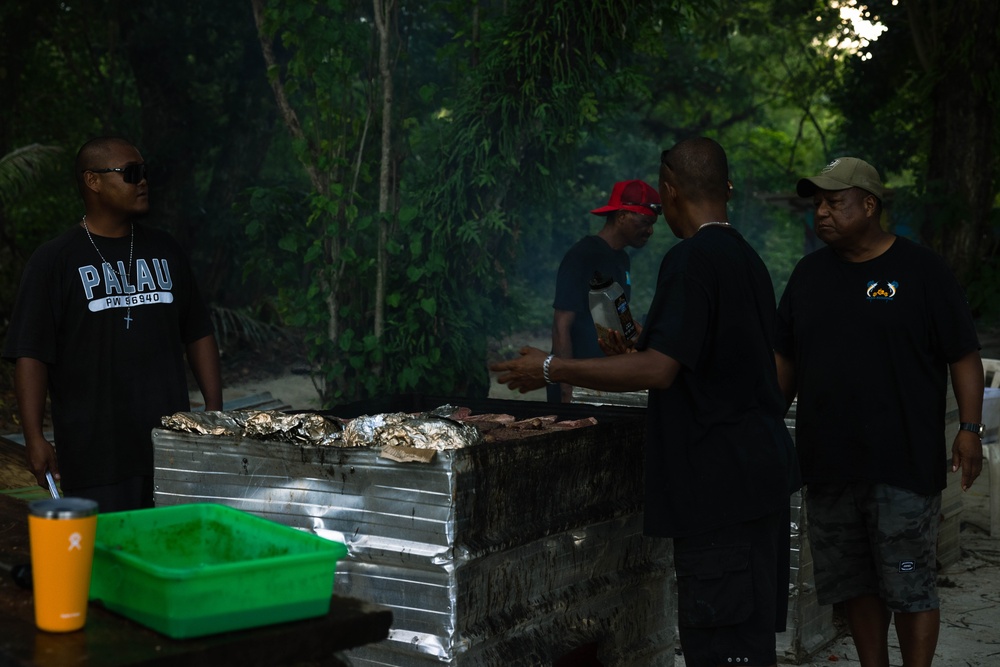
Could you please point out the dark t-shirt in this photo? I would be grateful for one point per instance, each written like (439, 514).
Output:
(871, 343)
(717, 449)
(589, 254)
(110, 380)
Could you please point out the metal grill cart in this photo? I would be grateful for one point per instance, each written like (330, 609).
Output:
(991, 440)
(810, 624)
(511, 552)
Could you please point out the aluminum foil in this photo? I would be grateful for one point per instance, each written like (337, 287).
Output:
(446, 427)
(360, 431)
(205, 423)
(427, 433)
(304, 428)
(430, 430)
(426, 430)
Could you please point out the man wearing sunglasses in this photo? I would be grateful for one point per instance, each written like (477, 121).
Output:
(630, 214)
(105, 315)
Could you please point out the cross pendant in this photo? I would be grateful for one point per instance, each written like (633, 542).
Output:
(128, 318)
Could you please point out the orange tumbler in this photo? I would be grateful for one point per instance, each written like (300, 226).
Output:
(61, 532)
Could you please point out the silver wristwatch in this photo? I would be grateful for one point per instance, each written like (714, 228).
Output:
(975, 428)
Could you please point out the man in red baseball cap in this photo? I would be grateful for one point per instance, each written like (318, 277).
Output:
(630, 214)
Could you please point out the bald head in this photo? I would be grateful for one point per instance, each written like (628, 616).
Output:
(96, 154)
(699, 169)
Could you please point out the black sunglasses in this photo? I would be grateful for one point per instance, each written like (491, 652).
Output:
(134, 173)
(655, 208)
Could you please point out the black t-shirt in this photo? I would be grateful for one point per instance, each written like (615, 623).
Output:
(717, 449)
(110, 379)
(589, 254)
(871, 343)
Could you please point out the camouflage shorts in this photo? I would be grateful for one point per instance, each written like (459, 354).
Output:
(874, 539)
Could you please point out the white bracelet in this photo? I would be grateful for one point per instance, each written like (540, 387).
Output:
(545, 369)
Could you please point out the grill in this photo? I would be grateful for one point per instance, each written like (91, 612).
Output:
(512, 552)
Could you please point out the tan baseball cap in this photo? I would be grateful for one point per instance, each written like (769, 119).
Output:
(843, 173)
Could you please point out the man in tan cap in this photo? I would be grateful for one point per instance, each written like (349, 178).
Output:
(629, 215)
(869, 328)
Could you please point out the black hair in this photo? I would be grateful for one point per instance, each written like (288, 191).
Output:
(94, 155)
(700, 169)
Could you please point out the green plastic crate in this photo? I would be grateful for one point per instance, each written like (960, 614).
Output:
(200, 569)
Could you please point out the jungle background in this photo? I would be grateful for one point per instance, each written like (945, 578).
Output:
(385, 188)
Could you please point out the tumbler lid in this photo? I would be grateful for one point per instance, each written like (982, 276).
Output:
(62, 508)
(599, 282)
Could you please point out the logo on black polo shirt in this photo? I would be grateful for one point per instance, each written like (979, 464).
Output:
(882, 291)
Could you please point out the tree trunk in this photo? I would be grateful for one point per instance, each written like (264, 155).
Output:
(321, 183)
(960, 173)
(383, 19)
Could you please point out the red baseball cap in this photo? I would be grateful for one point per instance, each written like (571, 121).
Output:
(635, 196)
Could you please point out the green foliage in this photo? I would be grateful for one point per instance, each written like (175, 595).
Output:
(21, 171)
(984, 289)
(534, 135)
(515, 125)
(245, 327)
(523, 101)
(984, 293)
(730, 73)
(322, 247)
(511, 120)
(923, 110)
(891, 131)
(24, 167)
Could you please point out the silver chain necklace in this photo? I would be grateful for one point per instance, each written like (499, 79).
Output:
(128, 271)
(721, 224)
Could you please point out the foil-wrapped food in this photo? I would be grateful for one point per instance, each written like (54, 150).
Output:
(445, 427)
(303, 428)
(360, 431)
(428, 433)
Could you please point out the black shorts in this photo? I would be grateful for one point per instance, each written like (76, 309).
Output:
(732, 592)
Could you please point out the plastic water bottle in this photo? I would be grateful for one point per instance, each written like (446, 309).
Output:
(609, 308)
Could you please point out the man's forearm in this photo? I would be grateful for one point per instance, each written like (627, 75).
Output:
(647, 369)
(786, 378)
(203, 357)
(31, 386)
(967, 383)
